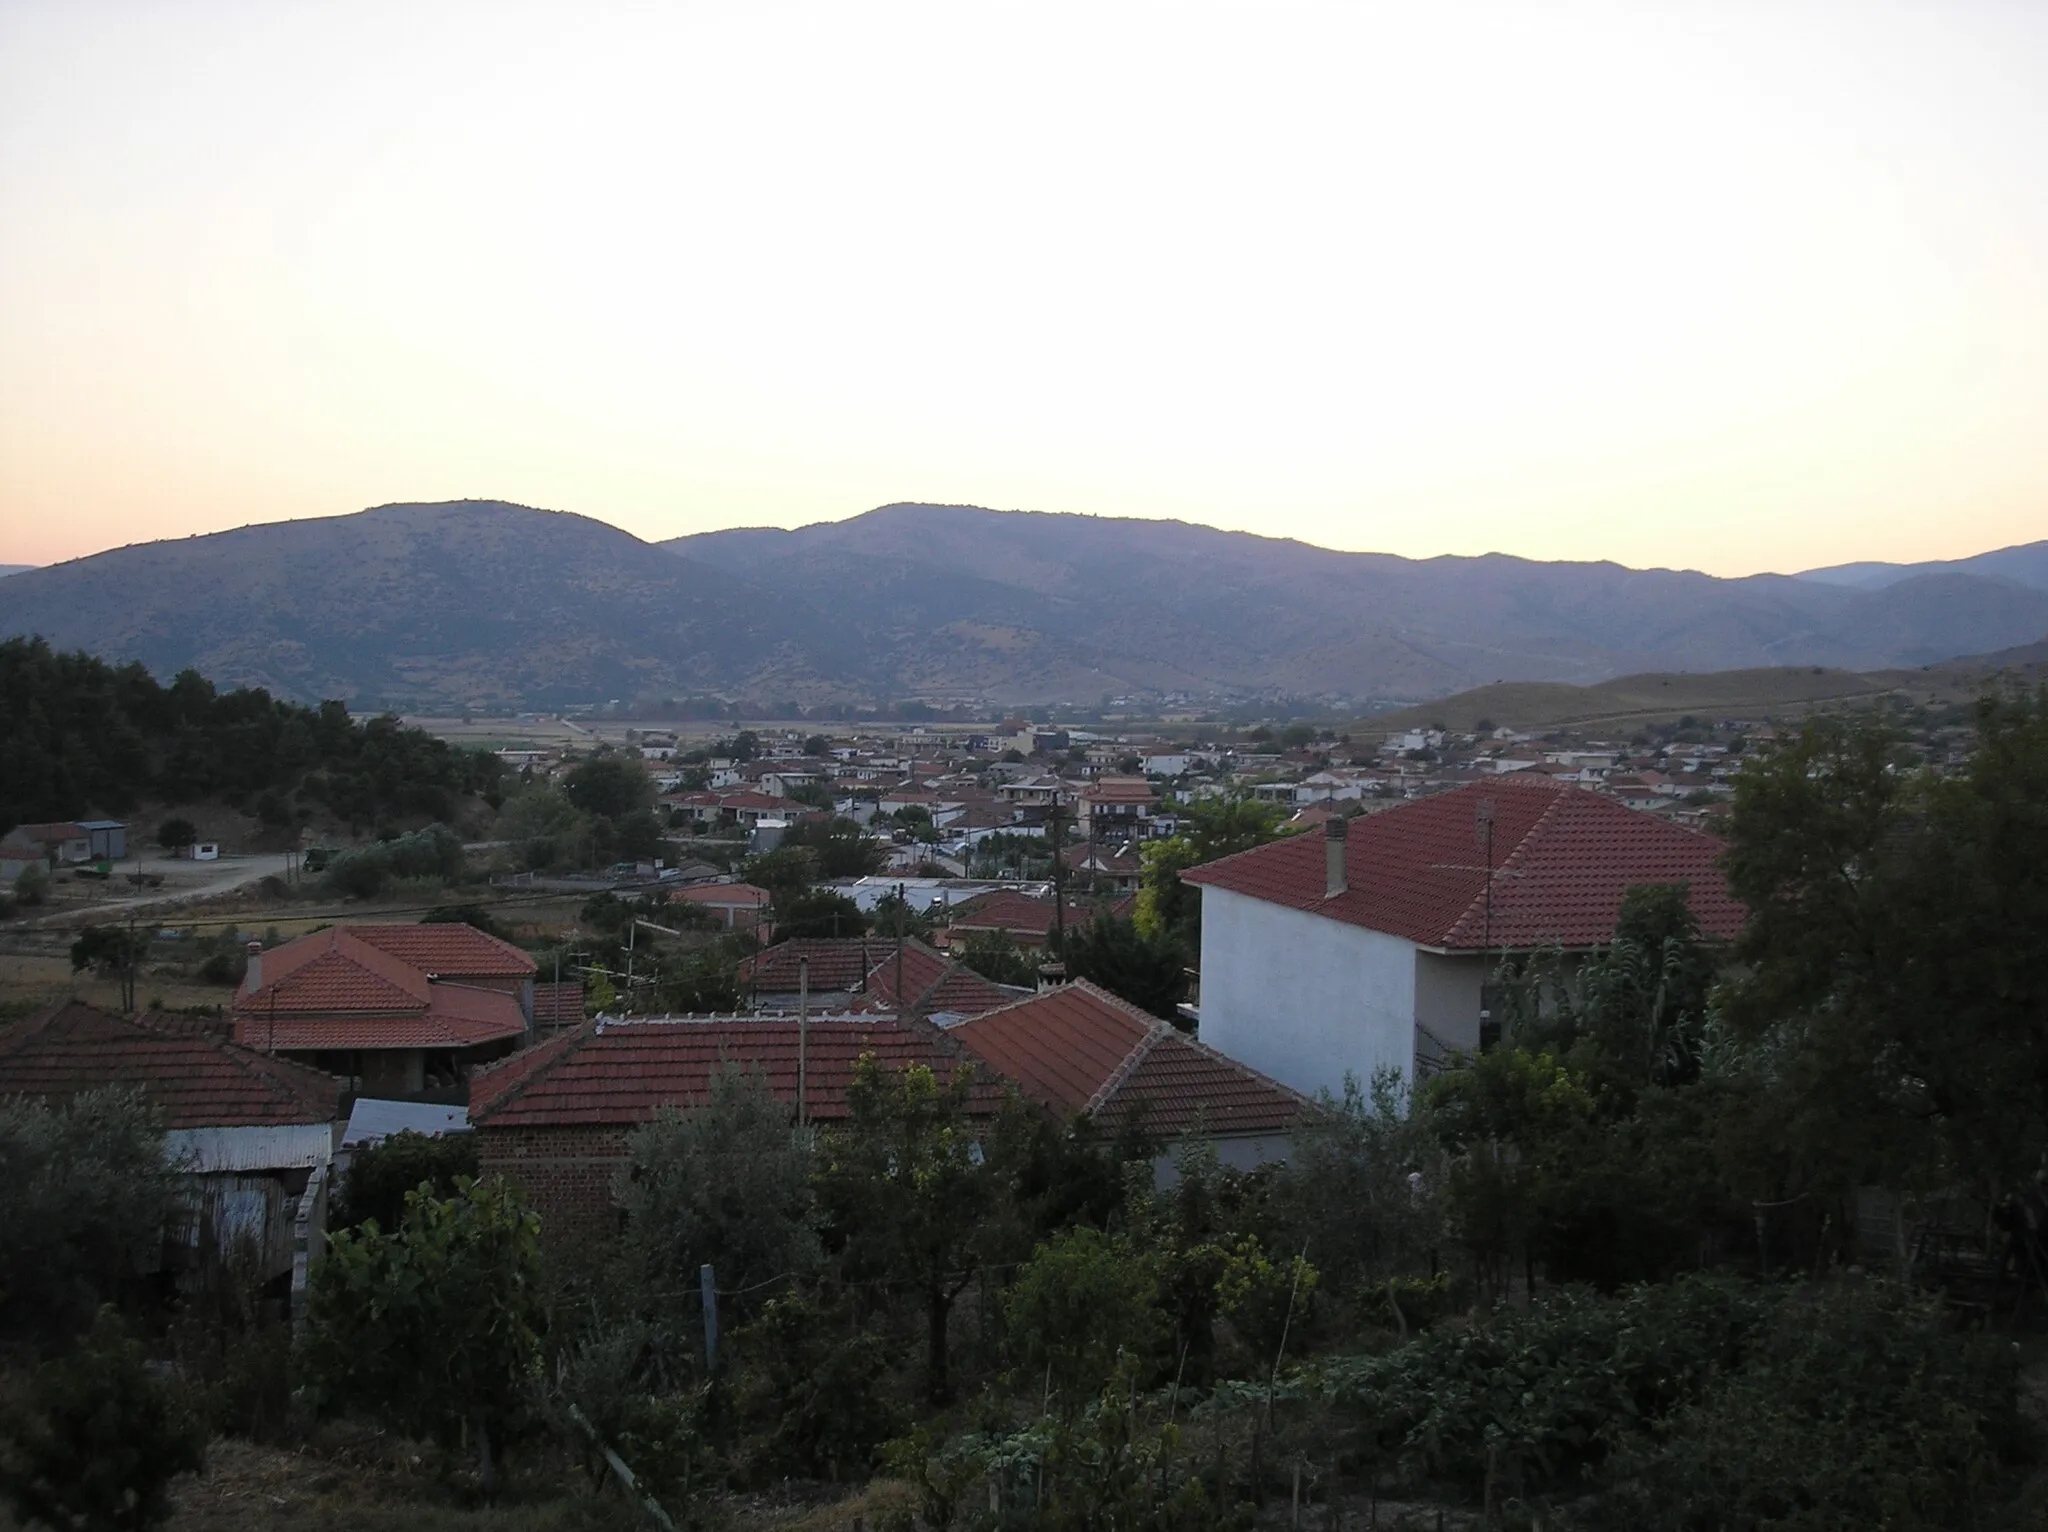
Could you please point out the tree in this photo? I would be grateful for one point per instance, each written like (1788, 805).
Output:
(906, 1185)
(746, 745)
(1880, 967)
(610, 786)
(725, 1182)
(817, 745)
(381, 1177)
(785, 872)
(1082, 1300)
(819, 912)
(840, 846)
(1214, 827)
(433, 1327)
(1516, 1125)
(176, 834)
(84, 1190)
(100, 1438)
(1149, 972)
(996, 956)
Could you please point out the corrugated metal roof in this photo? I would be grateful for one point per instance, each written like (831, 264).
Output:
(370, 1120)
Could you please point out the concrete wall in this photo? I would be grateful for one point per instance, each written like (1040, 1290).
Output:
(1447, 997)
(1303, 998)
(1246, 1153)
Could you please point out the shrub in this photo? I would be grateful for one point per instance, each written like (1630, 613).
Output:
(380, 1178)
(84, 1190)
(435, 1327)
(1082, 1300)
(99, 1438)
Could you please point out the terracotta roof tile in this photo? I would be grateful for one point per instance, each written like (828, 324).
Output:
(615, 1073)
(1081, 1049)
(453, 950)
(838, 963)
(192, 1076)
(1562, 857)
(455, 1016)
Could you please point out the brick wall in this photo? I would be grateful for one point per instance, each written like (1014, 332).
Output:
(567, 1174)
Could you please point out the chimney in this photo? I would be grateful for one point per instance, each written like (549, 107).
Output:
(1334, 834)
(254, 981)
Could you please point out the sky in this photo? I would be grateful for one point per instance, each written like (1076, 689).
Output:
(1721, 286)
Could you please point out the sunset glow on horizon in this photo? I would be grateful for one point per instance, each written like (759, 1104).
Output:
(1727, 287)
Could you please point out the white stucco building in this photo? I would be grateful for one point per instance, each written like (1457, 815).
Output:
(1366, 947)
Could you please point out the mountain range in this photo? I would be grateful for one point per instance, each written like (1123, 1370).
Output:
(486, 605)
(2026, 564)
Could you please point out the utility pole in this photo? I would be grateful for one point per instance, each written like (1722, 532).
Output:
(803, 1017)
(1055, 820)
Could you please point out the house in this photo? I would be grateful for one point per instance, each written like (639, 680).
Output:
(867, 974)
(1117, 808)
(739, 906)
(249, 1135)
(556, 1117)
(1028, 921)
(57, 843)
(1368, 947)
(1083, 1052)
(395, 1010)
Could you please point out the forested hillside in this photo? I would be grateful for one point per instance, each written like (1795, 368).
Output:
(84, 737)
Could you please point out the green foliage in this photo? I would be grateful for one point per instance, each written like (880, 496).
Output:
(99, 1438)
(1148, 971)
(380, 1178)
(817, 912)
(1540, 1396)
(786, 872)
(814, 1387)
(725, 1182)
(1346, 1192)
(609, 786)
(84, 1191)
(1881, 897)
(840, 848)
(1083, 1300)
(435, 852)
(996, 956)
(1212, 828)
(110, 949)
(908, 1188)
(32, 885)
(1856, 1407)
(434, 1327)
(475, 916)
(85, 735)
(1516, 1125)
(176, 834)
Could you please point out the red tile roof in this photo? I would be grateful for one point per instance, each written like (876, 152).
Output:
(1562, 857)
(616, 1073)
(451, 950)
(1081, 1049)
(735, 895)
(454, 1016)
(343, 989)
(192, 1076)
(838, 963)
(558, 1005)
(932, 985)
(1004, 909)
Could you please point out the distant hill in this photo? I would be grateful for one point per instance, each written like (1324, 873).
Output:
(486, 605)
(1066, 606)
(471, 603)
(11, 569)
(1629, 701)
(2026, 564)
